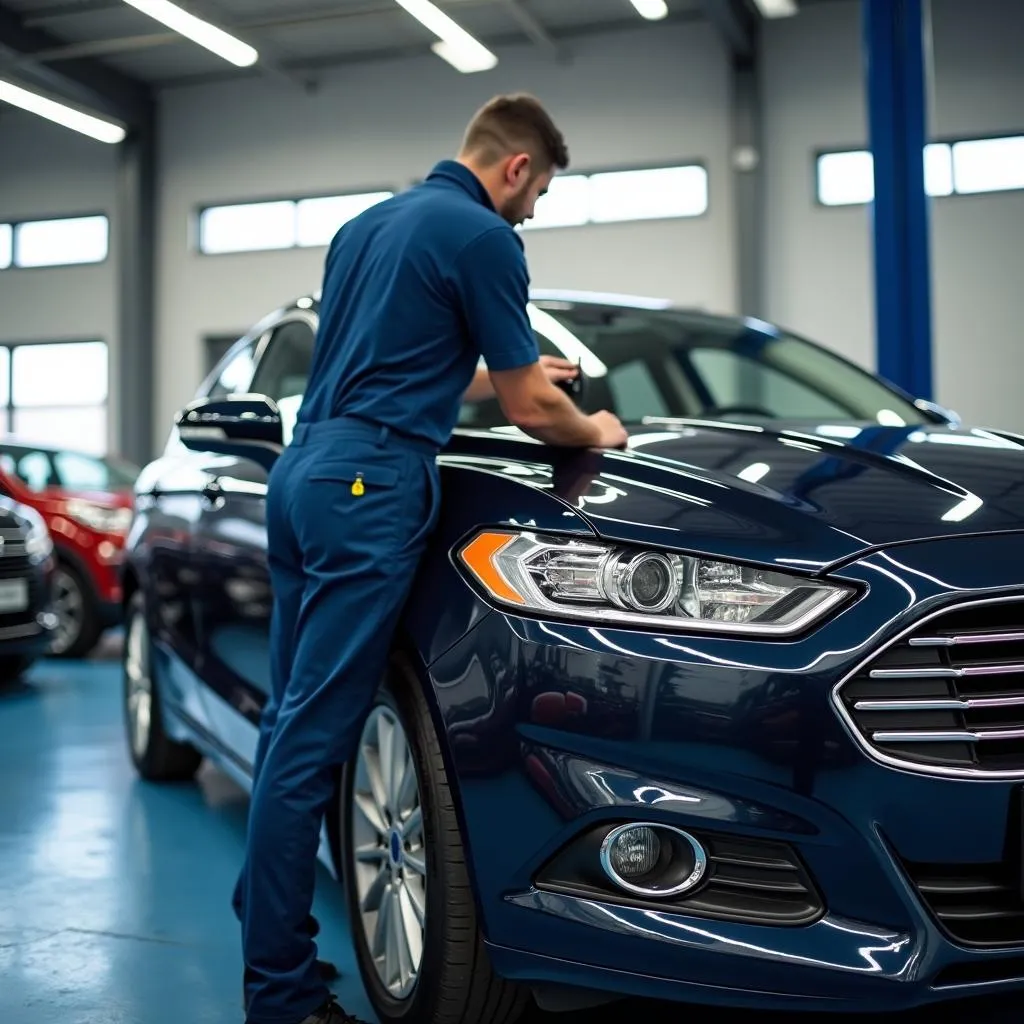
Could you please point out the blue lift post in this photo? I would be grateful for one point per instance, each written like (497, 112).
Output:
(894, 33)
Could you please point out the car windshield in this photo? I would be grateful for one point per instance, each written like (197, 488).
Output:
(650, 364)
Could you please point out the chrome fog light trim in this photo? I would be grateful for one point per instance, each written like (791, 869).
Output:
(673, 875)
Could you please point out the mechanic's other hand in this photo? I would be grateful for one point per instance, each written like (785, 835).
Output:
(557, 369)
(613, 433)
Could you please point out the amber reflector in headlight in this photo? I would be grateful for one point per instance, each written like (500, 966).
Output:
(605, 582)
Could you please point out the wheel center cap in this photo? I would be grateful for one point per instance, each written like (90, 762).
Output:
(395, 850)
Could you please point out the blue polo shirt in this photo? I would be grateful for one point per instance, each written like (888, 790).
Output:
(416, 289)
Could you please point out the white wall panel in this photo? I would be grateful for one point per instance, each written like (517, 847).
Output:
(645, 97)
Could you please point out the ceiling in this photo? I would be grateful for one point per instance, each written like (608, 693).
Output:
(301, 38)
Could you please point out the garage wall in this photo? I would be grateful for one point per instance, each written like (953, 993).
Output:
(650, 96)
(818, 260)
(47, 171)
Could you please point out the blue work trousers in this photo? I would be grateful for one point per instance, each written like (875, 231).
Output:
(342, 557)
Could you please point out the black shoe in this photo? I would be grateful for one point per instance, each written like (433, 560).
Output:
(328, 972)
(331, 1013)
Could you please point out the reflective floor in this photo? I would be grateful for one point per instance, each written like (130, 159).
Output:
(114, 894)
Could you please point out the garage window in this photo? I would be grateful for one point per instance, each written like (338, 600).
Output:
(950, 168)
(609, 197)
(56, 394)
(280, 224)
(58, 242)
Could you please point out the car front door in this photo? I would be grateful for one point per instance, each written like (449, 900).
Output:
(235, 599)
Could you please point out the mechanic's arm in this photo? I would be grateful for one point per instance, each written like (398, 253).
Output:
(493, 286)
(555, 368)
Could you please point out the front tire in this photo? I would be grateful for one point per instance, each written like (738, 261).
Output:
(78, 622)
(155, 755)
(413, 917)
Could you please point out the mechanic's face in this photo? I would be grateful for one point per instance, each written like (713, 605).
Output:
(523, 187)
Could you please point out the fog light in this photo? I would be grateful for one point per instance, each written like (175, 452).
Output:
(648, 859)
(634, 851)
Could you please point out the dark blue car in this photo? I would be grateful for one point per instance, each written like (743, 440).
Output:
(733, 716)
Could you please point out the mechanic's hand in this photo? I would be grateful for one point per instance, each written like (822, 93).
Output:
(557, 369)
(613, 433)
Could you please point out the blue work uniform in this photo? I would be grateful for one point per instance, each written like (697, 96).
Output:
(415, 291)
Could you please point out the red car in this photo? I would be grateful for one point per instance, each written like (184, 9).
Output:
(87, 502)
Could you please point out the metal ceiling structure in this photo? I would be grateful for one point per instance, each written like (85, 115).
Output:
(299, 39)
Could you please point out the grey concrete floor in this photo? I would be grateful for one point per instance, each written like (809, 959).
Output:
(114, 894)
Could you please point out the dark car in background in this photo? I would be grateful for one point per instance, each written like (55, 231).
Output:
(735, 715)
(86, 501)
(27, 621)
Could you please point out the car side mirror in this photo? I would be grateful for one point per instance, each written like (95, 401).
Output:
(243, 426)
(939, 412)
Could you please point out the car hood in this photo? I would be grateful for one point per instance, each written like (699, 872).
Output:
(795, 494)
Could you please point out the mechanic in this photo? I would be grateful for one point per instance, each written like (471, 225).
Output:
(417, 291)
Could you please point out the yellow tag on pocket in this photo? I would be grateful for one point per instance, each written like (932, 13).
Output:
(357, 486)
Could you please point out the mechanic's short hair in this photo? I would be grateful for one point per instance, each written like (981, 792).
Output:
(515, 123)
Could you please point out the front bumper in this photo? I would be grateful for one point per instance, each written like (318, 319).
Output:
(553, 728)
(29, 630)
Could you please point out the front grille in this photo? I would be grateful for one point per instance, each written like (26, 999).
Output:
(751, 880)
(975, 904)
(949, 695)
(12, 543)
(24, 623)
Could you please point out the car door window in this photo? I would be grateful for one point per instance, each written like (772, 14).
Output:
(284, 369)
(35, 470)
(236, 374)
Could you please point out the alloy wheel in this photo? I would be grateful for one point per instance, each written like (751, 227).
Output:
(69, 607)
(139, 694)
(388, 852)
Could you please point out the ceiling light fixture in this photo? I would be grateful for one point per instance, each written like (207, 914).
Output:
(455, 44)
(777, 8)
(214, 39)
(652, 10)
(60, 113)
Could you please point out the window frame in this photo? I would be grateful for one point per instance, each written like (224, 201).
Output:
(15, 223)
(940, 140)
(10, 406)
(661, 165)
(196, 232)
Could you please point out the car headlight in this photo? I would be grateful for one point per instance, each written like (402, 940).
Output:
(599, 582)
(38, 543)
(102, 518)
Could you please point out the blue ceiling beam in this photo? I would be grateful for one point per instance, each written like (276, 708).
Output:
(894, 42)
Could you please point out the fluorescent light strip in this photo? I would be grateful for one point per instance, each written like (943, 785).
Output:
(652, 10)
(59, 113)
(214, 39)
(777, 8)
(456, 45)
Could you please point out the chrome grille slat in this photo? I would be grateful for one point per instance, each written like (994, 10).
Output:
(941, 703)
(947, 673)
(966, 638)
(950, 736)
(946, 696)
